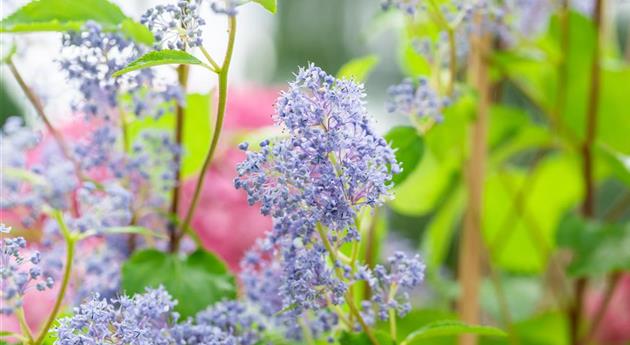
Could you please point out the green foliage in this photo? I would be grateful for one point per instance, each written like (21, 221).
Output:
(522, 210)
(408, 147)
(449, 328)
(137, 32)
(158, 58)
(347, 338)
(598, 248)
(62, 15)
(196, 281)
(358, 69)
(269, 5)
(549, 328)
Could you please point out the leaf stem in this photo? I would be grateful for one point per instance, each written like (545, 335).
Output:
(70, 246)
(223, 79)
(26, 331)
(215, 67)
(182, 78)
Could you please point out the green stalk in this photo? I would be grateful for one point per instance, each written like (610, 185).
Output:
(353, 309)
(26, 331)
(223, 79)
(392, 314)
(70, 246)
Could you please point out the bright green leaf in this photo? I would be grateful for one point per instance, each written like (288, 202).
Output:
(197, 133)
(269, 5)
(450, 327)
(137, 32)
(196, 281)
(408, 147)
(358, 69)
(62, 15)
(418, 318)
(348, 338)
(520, 224)
(160, 57)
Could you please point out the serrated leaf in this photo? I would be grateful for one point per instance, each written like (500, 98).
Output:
(359, 68)
(448, 328)
(269, 5)
(195, 281)
(408, 146)
(62, 15)
(157, 58)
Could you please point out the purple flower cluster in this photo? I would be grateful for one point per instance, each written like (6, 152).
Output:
(329, 166)
(150, 318)
(91, 56)
(416, 99)
(29, 187)
(15, 277)
(175, 26)
(390, 285)
(142, 319)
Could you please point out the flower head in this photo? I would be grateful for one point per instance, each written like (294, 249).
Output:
(175, 26)
(329, 166)
(15, 275)
(415, 99)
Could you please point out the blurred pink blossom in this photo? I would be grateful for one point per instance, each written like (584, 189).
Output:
(226, 224)
(614, 327)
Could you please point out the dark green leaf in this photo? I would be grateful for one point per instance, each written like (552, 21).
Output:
(157, 58)
(62, 15)
(408, 146)
(450, 327)
(269, 5)
(598, 248)
(358, 69)
(196, 281)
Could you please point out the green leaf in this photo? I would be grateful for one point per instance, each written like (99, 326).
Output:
(358, 69)
(160, 57)
(137, 32)
(62, 15)
(522, 210)
(197, 133)
(408, 147)
(418, 318)
(269, 5)
(348, 338)
(450, 327)
(598, 248)
(196, 281)
(549, 328)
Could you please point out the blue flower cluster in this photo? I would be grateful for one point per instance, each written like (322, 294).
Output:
(329, 166)
(416, 99)
(313, 182)
(142, 319)
(175, 26)
(91, 56)
(15, 275)
(151, 319)
(390, 285)
(28, 186)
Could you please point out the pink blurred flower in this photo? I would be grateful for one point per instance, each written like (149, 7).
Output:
(614, 327)
(226, 224)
